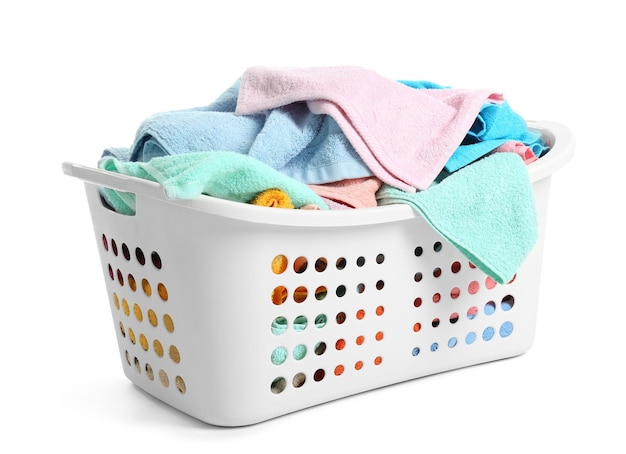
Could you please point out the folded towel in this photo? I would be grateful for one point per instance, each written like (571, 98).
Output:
(405, 136)
(308, 147)
(225, 175)
(486, 210)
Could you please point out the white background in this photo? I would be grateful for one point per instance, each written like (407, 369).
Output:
(77, 77)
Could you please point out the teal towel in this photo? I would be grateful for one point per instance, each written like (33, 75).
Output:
(223, 174)
(486, 210)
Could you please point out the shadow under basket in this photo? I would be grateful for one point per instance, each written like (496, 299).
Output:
(235, 313)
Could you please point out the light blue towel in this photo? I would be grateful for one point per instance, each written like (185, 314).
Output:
(220, 174)
(308, 147)
(486, 210)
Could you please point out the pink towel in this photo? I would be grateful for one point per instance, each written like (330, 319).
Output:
(352, 193)
(404, 135)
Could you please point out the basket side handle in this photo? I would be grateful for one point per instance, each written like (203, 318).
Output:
(112, 180)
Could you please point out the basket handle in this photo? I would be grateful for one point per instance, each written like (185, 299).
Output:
(113, 180)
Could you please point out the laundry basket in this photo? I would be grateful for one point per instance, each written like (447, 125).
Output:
(235, 313)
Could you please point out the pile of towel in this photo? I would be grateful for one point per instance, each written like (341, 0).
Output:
(330, 138)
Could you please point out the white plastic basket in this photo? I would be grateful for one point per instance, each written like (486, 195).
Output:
(369, 297)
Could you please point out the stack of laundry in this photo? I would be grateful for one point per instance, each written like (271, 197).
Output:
(330, 138)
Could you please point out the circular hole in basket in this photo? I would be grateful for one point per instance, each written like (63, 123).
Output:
(300, 265)
(490, 308)
(506, 329)
(116, 301)
(380, 310)
(279, 356)
(149, 371)
(180, 384)
(174, 354)
(360, 314)
(452, 342)
(380, 258)
(279, 264)
(300, 323)
(321, 292)
(320, 348)
(340, 344)
(278, 385)
(437, 246)
(132, 283)
(359, 340)
(435, 322)
(415, 351)
(417, 277)
(156, 260)
(158, 348)
(299, 352)
(168, 322)
(437, 272)
(125, 307)
(360, 261)
(143, 342)
(490, 283)
(319, 375)
(341, 263)
(473, 287)
(380, 284)
(341, 291)
(360, 288)
(162, 291)
(470, 338)
(321, 264)
(417, 327)
(279, 295)
(152, 318)
(141, 258)
(131, 336)
(455, 293)
(507, 303)
(163, 378)
(455, 267)
(379, 336)
(111, 273)
(137, 311)
(114, 247)
(120, 277)
(454, 317)
(472, 313)
(358, 365)
(105, 242)
(321, 320)
(298, 380)
(378, 361)
(434, 347)
(122, 329)
(339, 370)
(488, 333)
(145, 285)
(300, 294)
(340, 318)
(417, 302)
(419, 250)
(137, 365)
(125, 251)
(279, 326)
(436, 297)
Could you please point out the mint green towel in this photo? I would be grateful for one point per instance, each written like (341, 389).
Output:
(486, 210)
(223, 174)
